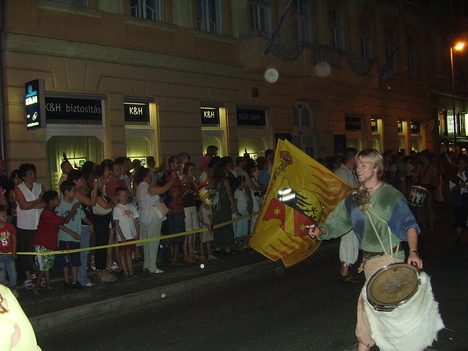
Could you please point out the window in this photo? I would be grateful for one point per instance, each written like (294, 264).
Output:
(337, 26)
(148, 9)
(82, 3)
(302, 20)
(302, 115)
(365, 36)
(209, 16)
(390, 47)
(260, 13)
(411, 50)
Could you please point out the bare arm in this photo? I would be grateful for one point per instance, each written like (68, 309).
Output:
(119, 231)
(227, 184)
(413, 257)
(28, 205)
(74, 235)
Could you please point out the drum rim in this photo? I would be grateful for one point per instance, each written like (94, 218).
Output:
(389, 307)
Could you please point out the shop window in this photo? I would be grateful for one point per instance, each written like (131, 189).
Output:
(148, 9)
(260, 15)
(415, 128)
(376, 144)
(401, 126)
(463, 124)
(255, 146)
(416, 145)
(78, 150)
(376, 125)
(337, 27)
(302, 20)
(401, 145)
(209, 16)
(207, 141)
(354, 142)
(138, 147)
(82, 3)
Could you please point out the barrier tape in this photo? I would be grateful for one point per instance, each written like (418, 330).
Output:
(133, 242)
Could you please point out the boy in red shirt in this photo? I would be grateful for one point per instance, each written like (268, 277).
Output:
(8, 251)
(46, 237)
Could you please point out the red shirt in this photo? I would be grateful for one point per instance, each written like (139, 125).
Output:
(6, 232)
(47, 231)
(112, 185)
(176, 205)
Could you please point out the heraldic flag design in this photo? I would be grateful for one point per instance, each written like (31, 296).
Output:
(301, 193)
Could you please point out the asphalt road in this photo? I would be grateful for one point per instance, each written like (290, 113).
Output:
(303, 307)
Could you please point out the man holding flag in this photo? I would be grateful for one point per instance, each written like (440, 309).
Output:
(381, 219)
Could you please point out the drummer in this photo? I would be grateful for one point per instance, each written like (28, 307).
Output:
(381, 218)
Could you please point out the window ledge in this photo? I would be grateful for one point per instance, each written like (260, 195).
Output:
(215, 36)
(151, 24)
(52, 5)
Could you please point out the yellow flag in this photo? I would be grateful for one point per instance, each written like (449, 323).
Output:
(301, 193)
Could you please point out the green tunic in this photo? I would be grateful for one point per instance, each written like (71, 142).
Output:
(389, 213)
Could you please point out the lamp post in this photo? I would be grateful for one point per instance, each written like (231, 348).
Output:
(457, 47)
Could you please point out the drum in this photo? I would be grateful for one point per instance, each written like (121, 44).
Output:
(417, 196)
(392, 286)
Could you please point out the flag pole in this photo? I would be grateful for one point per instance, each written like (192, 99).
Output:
(273, 35)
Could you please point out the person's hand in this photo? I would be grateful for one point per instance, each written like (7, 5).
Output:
(14, 255)
(75, 206)
(91, 229)
(75, 236)
(315, 232)
(415, 260)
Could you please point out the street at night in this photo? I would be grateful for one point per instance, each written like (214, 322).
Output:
(303, 307)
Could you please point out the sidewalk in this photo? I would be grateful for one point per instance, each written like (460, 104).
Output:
(48, 311)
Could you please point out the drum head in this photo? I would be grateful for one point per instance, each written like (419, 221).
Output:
(392, 285)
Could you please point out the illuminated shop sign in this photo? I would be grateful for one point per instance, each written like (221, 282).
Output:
(209, 115)
(137, 112)
(34, 100)
(251, 117)
(69, 110)
(353, 124)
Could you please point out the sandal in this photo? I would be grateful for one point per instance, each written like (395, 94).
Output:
(212, 258)
(90, 284)
(348, 279)
(28, 284)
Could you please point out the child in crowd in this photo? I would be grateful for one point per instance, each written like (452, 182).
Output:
(46, 238)
(241, 226)
(128, 228)
(205, 217)
(70, 240)
(8, 251)
(211, 151)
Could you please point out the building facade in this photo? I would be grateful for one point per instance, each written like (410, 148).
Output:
(157, 77)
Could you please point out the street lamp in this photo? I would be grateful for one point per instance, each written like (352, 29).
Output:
(457, 47)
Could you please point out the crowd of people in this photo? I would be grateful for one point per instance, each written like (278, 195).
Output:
(120, 201)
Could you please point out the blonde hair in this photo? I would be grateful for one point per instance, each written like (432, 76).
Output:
(374, 157)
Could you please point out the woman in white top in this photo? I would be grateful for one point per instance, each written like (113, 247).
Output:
(150, 223)
(29, 199)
